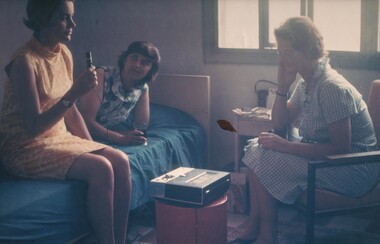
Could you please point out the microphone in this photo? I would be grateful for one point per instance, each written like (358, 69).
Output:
(88, 65)
(88, 59)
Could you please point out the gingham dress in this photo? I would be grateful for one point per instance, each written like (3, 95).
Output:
(329, 99)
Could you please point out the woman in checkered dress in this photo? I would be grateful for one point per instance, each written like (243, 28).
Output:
(332, 119)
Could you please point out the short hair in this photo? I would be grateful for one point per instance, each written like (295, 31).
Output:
(303, 35)
(39, 12)
(149, 51)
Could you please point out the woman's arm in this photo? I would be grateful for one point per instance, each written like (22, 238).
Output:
(283, 111)
(75, 123)
(141, 110)
(89, 106)
(24, 84)
(340, 142)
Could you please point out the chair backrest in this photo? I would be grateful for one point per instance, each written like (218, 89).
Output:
(374, 107)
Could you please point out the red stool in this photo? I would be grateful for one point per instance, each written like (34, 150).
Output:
(188, 225)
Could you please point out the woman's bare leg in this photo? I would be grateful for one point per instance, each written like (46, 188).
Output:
(97, 172)
(251, 226)
(122, 194)
(268, 212)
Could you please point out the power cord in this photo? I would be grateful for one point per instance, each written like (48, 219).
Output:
(263, 81)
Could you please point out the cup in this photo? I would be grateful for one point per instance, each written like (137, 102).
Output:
(143, 127)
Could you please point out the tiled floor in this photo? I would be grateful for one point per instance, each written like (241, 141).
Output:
(363, 226)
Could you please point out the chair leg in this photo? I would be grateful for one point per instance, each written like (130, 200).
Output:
(309, 238)
(310, 207)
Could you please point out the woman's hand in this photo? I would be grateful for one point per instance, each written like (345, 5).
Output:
(86, 82)
(286, 75)
(133, 137)
(272, 141)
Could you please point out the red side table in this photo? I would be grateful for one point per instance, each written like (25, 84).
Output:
(192, 225)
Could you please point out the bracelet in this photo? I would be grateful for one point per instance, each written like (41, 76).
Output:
(281, 94)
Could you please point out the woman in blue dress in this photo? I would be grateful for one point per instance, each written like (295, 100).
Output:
(122, 93)
(332, 119)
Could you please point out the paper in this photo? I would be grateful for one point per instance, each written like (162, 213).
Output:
(257, 112)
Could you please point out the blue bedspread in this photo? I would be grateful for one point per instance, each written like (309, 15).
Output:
(39, 211)
(174, 139)
(36, 211)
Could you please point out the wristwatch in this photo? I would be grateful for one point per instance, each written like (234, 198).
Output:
(66, 102)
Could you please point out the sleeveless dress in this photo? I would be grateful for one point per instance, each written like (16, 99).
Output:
(51, 153)
(330, 99)
(115, 109)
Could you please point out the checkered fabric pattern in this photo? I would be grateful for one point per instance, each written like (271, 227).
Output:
(329, 98)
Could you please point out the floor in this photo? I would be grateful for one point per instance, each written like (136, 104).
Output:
(356, 228)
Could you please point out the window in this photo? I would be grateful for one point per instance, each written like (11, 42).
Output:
(241, 31)
(235, 34)
(378, 30)
(341, 30)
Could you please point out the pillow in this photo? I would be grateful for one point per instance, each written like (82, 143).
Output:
(164, 116)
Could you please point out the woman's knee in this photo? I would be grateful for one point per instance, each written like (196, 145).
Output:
(124, 160)
(101, 173)
(92, 168)
(119, 159)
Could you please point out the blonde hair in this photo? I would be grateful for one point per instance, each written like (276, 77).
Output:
(303, 35)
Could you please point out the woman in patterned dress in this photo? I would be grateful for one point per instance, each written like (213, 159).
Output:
(42, 133)
(122, 96)
(333, 119)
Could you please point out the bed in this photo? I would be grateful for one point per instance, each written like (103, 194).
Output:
(48, 211)
(177, 134)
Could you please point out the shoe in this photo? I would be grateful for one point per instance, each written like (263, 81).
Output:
(242, 241)
(132, 236)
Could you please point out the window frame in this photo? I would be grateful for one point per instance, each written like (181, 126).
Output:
(367, 58)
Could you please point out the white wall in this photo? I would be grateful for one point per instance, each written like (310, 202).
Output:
(106, 27)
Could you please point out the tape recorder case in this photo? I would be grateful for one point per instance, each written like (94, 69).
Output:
(190, 186)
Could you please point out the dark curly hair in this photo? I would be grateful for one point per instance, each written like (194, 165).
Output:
(149, 51)
(39, 12)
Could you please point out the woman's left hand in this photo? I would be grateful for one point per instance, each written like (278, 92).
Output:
(272, 141)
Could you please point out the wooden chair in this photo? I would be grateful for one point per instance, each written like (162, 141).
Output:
(317, 201)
